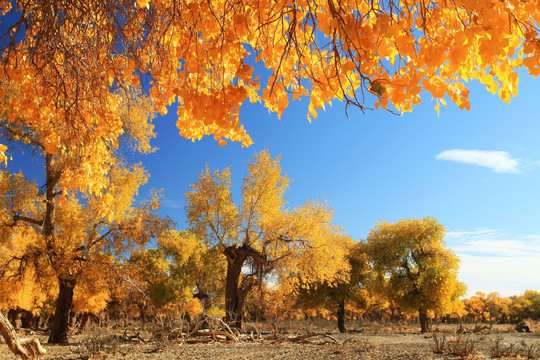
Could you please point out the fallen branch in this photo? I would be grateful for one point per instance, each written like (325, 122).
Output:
(27, 348)
(250, 335)
(223, 332)
(226, 328)
(199, 341)
(130, 338)
(214, 335)
(480, 328)
(197, 327)
(303, 339)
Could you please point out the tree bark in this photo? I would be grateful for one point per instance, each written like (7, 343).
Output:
(424, 321)
(27, 349)
(28, 320)
(60, 321)
(84, 320)
(341, 316)
(12, 316)
(234, 302)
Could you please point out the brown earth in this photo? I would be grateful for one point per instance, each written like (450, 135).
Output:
(368, 342)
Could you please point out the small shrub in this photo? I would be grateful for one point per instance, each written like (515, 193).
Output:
(531, 352)
(462, 347)
(500, 349)
(96, 344)
(440, 343)
(521, 351)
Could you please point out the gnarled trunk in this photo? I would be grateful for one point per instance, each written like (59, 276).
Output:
(234, 298)
(84, 320)
(236, 291)
(28, 320)
(424, 320)
(341, 316)
(12, 316)
(60, 321)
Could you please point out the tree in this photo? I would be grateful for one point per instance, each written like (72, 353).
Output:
(26, 281)
(85, 237)
(526, 306)
(75, 216)
(180, 269)
(421, 272)
(484, 308)
(261, 237)
(335, 296)
(67, 58)
(197, 268)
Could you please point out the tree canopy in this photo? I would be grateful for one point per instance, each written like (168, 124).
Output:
(351, 289)
(261, 237)
(419, 272)
(65, 62)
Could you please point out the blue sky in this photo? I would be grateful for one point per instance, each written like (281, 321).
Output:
(477, 172)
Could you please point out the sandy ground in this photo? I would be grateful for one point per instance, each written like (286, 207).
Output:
(390, 343)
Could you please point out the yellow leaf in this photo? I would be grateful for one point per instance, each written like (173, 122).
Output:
(143, 4)
(3, 157)
(491, 84)
(348, 66)
(504, 94)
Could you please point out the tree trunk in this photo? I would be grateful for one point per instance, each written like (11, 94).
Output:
(424, 321)
(12, 316)
(84, 320)
(60, 321)
(27, 349)
(234, 298)
(28, 320)
(341, 316)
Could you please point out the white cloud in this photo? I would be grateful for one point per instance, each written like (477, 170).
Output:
(494, 261)
(489, 242)
(498, 161)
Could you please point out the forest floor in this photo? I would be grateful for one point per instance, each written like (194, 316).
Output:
(365, 341)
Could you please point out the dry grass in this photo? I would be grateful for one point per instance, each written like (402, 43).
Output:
(521, 350)
(303, 339)
(463, 347)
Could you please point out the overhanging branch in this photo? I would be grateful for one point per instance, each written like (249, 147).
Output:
(27, 219)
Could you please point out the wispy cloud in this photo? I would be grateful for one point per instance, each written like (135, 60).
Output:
(494, 261)
(498, 161)
(493, 243)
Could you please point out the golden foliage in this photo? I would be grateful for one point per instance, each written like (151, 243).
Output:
(420, 272)
(92, 293)
(302, 240)
(62, 63)
(493, 308)
(180, 268)
(85, 238)
(486, 307)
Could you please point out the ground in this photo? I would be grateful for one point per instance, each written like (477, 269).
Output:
(369, 341)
